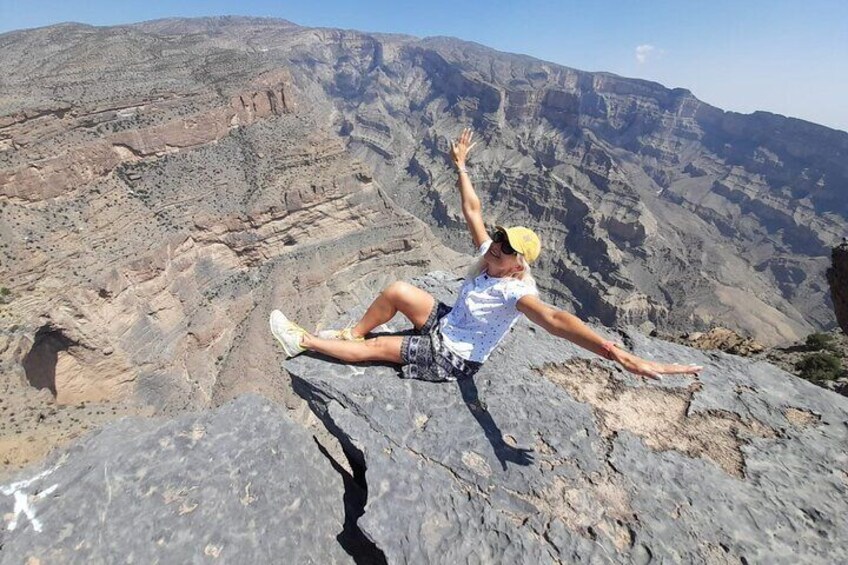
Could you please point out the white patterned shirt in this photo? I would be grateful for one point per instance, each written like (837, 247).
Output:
(484, 312)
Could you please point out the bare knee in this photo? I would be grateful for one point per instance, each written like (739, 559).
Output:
(399, 292)
(410, 300)
(403, 295)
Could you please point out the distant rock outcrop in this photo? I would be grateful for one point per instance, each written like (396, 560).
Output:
(837, 277)
(725, 340)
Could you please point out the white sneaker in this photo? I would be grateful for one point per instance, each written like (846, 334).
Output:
(287, 333)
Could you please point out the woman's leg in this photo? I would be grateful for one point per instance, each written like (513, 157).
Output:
(412, 302)
(384, 348)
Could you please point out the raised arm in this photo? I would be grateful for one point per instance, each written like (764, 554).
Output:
(471, 208)
(563, 324)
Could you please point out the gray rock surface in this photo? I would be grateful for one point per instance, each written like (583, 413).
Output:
(549, 455)
(552, 454)
(240, 484)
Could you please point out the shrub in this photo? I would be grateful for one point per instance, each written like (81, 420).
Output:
(818, 341)
(818, 367)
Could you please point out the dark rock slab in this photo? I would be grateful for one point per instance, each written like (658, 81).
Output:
(837, 278)
(241, 484)
(554, 454)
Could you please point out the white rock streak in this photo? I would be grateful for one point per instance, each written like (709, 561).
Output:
(23, 501)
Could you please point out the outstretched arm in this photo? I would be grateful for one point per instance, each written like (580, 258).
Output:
(471, 208)
(570, 327)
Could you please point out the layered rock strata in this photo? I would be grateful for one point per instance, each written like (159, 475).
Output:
(656, 208)
(147, 236)
(32, 135)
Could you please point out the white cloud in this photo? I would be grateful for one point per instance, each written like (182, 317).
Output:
(643, 52)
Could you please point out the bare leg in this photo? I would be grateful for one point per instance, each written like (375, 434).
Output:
(412, 302)
(384, 348)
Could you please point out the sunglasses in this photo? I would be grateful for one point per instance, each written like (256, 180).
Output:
(500, 237)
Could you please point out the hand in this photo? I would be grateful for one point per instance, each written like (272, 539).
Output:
(515, 455)
(652, 369)
(461, 147)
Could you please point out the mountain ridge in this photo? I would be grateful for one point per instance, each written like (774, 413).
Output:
(435, 38)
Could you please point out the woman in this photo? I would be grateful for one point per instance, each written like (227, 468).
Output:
(453, 342)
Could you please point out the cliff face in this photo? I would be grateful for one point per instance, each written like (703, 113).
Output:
(656, 209)
(837, 277)
(151, 221)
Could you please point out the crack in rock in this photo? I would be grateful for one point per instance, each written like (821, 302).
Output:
(588, 504)
(659, 416)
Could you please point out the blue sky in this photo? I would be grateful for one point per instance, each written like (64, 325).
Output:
(787, 57)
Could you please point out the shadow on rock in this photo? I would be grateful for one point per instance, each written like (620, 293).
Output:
(351, 538)
(505, 452)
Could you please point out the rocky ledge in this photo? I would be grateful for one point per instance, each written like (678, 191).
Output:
(242, 483)
(554, 455)
(837, 278)
(551, 454)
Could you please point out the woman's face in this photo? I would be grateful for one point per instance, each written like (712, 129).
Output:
(498, 263)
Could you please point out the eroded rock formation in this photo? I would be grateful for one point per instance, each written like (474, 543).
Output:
(837, 278)
(90, 160)
(725, 340)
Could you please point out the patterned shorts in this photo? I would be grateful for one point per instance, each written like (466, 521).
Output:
(425, 356)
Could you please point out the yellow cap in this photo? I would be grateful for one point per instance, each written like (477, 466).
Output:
(524, 240)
